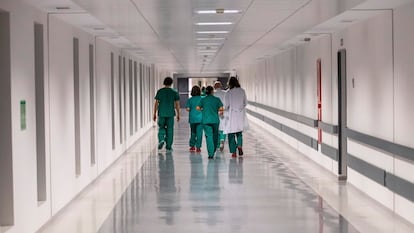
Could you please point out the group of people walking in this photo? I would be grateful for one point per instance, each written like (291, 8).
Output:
(216, 112)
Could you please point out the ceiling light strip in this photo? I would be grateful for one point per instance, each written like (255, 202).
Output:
(212, 32)
(215, 38)
(213, 23)
(218, 11)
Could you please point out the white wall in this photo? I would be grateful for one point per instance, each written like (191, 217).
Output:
(370, 99)
(61, 180)
(62, 112)
(379, 51)
(403, 96)
(26, 206)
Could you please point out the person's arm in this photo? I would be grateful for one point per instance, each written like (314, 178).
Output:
(154, 117)
(188, 105)
(221, 111)
(177, 109)
(200, 105)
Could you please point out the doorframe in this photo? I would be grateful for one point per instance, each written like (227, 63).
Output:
(319, 95)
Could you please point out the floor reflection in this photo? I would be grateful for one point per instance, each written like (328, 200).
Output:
(168, 199)
(236, 170)
(205, 190)
(186, 192)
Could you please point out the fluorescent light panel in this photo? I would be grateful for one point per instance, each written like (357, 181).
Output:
(217, 12)
(212, 32)
(213, 23)
(209, 44)
(214, 38)
(207, 51)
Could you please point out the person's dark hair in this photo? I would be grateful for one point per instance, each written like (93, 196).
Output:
(233, 82)
(209, 90)
(195, 91)
(168, 81)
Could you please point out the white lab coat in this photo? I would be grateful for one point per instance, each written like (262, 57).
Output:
(220, 93)
(235, 102)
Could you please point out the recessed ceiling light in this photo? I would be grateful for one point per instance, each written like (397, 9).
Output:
(203, 44)
(207, 47)
(212, 32)
(213, 23)
(206, 51)
(98, 28)
(218, 11)
(216, 38)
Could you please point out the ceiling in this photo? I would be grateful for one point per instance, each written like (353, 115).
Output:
(165, 32)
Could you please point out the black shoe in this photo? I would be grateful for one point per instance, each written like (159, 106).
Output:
(211, 157)
(240, 151)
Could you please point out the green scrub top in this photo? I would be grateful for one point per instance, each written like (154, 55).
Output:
(210, 106)
(195, 116)
(166, 97)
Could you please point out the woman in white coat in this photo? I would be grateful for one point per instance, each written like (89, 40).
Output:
(235, 106)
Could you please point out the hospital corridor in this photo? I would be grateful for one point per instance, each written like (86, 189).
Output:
(314, 98)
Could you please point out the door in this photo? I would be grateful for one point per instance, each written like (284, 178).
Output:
(319, 96)
(342, 113)
(183, 91)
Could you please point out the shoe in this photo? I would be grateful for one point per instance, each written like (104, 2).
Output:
(234, 155)
(240, 151)
(221, 146)
(192, 149)
(198, 150)
(160, 145)
(211, 157)
(169, 149)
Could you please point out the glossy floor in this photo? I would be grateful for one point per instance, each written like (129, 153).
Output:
(273, 188)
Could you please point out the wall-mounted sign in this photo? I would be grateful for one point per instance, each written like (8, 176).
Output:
(22, 114)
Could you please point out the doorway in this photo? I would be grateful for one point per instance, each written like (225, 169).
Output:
(342, 116)
(6, 158)
(183, 91)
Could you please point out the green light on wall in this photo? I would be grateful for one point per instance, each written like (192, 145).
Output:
(23, 115)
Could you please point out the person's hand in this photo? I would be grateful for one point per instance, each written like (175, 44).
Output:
(178, 118)
(154, 117)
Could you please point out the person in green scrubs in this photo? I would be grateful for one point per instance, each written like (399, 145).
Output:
(195, 117)
(167, 105)
(211, 108)
(220, 93)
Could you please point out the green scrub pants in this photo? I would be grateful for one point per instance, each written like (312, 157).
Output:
(221, 138)
(196, 137)
(211, 132)
(166, 131)
(235, 140)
